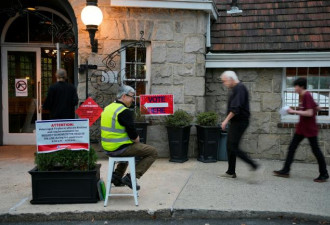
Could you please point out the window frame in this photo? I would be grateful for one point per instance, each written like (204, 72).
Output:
(295, 118)
(147, 80)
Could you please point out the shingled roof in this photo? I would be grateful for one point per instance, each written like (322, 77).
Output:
(272, 26)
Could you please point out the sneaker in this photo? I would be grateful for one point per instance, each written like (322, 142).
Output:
(127, 181)
(227, 175)
(281, 173)
(322, 178)
(116, 180)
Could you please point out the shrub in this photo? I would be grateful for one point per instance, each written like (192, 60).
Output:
(207, 119)
(67, 160)
(138, 117)
(180, 118)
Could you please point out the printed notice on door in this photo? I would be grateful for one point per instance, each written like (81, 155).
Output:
(21, 87)
(55, 135)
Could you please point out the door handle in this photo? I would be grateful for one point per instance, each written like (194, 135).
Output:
(39, 97)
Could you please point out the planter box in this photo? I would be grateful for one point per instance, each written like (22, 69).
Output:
(208, 138)
(178, 139)
(222, 149)
(54, 187)
(141, 128)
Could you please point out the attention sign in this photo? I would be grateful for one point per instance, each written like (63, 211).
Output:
(89, 110)
(55, 135)
(156, 104)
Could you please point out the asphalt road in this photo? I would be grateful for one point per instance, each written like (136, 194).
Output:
(180, 222)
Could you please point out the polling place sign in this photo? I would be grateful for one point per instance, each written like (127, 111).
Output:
(55, 135)
(156, 104)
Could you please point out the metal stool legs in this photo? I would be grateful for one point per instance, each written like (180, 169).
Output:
(131, 162)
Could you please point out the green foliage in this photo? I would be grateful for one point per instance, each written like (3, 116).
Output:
(180, 118)
(67, 160)
(207, 119)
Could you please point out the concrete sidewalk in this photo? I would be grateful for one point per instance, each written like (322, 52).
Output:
(172, 190)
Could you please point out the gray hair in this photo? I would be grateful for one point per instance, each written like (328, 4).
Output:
(124, 90)
(61, 73)
(230, 75)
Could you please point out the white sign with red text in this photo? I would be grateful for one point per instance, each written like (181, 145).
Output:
(55, 135)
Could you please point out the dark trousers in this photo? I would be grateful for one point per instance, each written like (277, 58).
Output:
(147, 153)
(235, 133)
(315, 148)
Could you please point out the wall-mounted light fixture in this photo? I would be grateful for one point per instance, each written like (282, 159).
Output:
(234, 8)
(92, 17)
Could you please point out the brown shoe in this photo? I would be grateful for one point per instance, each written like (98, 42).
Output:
(281, 173)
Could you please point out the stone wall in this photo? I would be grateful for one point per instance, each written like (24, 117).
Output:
(263, 138)
(177, 39)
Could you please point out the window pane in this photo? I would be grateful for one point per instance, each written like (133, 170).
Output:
(302, 72)
(291, 99)
(323, 103)
(18, 31)
(130, 71)
(141, 55)
(313, 78)
(325, 78)
(290, 77)
(141, 72)
(130, 54)
(40, 27)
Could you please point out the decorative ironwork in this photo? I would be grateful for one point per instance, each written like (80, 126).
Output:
(63, 33)
(103, 79)
(106, 79)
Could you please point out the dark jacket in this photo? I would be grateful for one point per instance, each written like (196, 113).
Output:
(61, 101)
(238, 103)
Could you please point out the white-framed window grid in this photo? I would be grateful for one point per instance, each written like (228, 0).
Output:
(135, 69)
(318, 84)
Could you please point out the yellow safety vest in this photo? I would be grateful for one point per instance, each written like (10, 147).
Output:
(113, 135)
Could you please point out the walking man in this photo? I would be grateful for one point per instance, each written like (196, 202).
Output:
(61, 98)
(238, 114)
(306, 128)
(119, 137)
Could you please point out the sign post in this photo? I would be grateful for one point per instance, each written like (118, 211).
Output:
(156, 104)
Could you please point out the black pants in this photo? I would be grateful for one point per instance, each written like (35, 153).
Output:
(315, 148)
(235, 133)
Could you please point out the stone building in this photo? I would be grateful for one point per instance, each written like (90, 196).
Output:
(184, 48)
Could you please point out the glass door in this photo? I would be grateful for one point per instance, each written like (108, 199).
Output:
(21, 94)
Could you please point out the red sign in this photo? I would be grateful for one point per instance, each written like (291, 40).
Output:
(89, 110)
(156, 104)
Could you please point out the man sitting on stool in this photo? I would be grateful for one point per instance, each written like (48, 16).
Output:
(120, 139)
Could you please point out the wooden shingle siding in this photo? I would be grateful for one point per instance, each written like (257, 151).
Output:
(272, 25)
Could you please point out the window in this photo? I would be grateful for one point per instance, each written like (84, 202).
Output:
(135, 67)
(318, 83)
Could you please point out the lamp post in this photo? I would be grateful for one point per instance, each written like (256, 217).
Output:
(92, 17)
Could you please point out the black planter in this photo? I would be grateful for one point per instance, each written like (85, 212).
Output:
(54, 187)
(141, 128)
(178, 139)
(208, 138)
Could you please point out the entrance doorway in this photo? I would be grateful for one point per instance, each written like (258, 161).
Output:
(27, 74)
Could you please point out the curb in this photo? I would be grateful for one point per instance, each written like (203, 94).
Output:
(158, 214)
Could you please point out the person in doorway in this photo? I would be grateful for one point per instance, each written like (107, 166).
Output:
(120, 139)
(306, 128)
(238, 114)
(61, 98)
